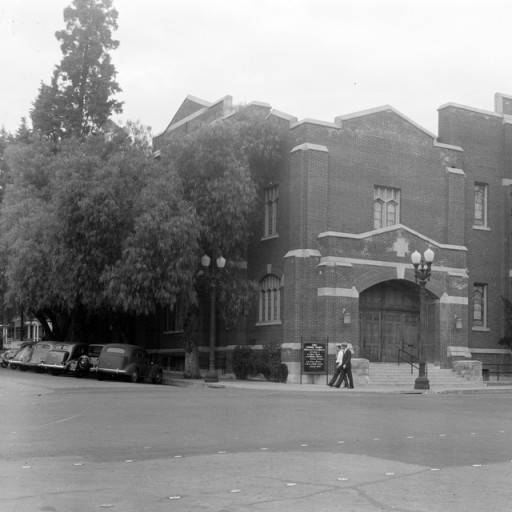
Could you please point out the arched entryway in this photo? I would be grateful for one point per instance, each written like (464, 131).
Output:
(389, 321)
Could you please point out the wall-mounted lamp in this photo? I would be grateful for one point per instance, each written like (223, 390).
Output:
(458, 322)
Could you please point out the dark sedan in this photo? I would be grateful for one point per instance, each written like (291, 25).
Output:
(128, 361)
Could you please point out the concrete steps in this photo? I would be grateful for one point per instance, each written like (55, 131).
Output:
(390, 374)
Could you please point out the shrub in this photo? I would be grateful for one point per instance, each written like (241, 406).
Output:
(247, 361)
(243, 362)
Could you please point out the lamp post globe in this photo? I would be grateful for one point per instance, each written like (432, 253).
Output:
(422, 270)
(211, 375)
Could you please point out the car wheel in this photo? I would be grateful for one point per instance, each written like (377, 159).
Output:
(99, 376)
(158, 378)
(134, 377)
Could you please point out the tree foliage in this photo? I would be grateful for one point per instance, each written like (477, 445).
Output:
(95, 227)
(79, 99)
(223, 167)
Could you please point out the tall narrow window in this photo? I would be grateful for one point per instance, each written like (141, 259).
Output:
(479, 305)
(271, 203)
(481, 191)
(386, 207)
(270, 299)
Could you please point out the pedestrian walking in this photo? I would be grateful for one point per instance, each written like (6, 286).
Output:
(338, 373)
(346, 367)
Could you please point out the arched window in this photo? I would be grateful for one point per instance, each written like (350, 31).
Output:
(479, 305)
(270, 300)
(386, 207)
(377, 213)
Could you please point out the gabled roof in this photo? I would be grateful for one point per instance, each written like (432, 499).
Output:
(381, 109)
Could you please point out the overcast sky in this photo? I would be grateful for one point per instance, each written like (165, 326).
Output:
(310, 58)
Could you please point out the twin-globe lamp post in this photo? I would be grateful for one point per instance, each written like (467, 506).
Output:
(422, 270)
(220, 262)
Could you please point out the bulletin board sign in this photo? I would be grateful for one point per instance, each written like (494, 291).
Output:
(314, 358)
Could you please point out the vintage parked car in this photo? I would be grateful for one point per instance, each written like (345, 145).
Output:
(11, 353)
(57, 359)
(87, 362)
(31, 357)
(21, 358)
(128, 361)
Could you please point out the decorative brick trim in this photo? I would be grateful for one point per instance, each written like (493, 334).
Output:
(338, 292)
(309, 147)
(303, 253)
(490, 351)
(453, 299)
(396, 227)
(454, 170)
(447, 146)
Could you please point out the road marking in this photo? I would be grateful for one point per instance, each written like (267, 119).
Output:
(178, 456)
(129, 460)
(342, 479)
(410, 437)
(26, 467)
(477, 465)
(106, 505)
(291, 484)
(341, 442)
(304, 444)
(442, 435)
(435, 469)
(263, 449)
(222, 451)
(235, 491)
(175, 497)
(77, 464)
(376, 439)
(473, 433)
(390, 474)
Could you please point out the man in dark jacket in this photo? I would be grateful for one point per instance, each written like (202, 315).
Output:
(346, 367)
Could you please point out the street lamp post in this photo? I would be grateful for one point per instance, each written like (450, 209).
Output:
(211, 375)
(422, 270)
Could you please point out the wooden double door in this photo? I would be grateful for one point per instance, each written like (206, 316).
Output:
(383, 332)
(389, 320)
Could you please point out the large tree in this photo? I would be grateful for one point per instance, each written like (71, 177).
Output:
(93, 231)
(79, 99)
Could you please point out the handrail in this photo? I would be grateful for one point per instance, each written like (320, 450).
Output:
(410, 361)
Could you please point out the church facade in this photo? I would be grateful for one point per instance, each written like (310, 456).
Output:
(352, 201)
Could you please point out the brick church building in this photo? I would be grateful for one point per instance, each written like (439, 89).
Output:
(353, 200)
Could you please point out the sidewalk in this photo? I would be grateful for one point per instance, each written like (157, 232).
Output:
(262, 385)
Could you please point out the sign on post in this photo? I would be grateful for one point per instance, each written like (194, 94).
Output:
(314, 358)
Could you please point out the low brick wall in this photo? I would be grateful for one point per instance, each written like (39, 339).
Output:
(469, 369)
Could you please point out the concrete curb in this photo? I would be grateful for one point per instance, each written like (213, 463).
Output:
(317, 388)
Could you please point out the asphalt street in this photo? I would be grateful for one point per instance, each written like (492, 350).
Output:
(81, 445)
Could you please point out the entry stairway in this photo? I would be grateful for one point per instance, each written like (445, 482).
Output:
(394, 375)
